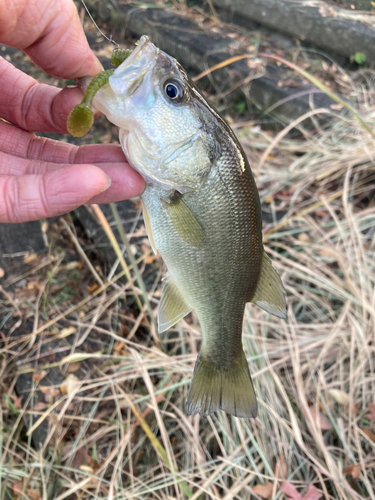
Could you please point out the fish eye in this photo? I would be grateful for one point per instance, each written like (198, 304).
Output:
(174, 90)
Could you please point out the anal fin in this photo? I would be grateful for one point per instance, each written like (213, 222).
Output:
(172, 307)
(270, 292)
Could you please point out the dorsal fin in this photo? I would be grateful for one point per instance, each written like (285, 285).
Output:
(172, 307)
(270, 292)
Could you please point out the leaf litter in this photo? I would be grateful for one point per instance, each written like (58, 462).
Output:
(116, 426)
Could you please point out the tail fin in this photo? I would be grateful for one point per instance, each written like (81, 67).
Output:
(228, 388)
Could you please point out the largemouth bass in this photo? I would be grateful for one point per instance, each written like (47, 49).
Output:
(202, 214)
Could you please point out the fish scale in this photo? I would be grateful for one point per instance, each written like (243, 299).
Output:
(211, 289)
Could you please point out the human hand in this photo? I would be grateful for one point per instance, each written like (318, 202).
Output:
(40, 177)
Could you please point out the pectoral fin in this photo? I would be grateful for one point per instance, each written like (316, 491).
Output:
(148, 227)
(172, 307)
(270, 293)
(184, 221)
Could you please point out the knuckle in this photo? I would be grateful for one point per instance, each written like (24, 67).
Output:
(43, 198)
(23, 199)
(10, 197)
(26, 107)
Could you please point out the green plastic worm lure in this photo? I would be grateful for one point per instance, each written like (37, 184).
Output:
(81, 117)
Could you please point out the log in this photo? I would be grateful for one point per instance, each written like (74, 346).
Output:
(336, 30)
(198, 49)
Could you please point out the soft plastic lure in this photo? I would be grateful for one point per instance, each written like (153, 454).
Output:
(81, 117)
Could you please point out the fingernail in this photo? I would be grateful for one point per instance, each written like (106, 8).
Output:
(98, 68)
(109, 182)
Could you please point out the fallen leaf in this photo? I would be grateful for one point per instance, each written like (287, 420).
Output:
(325, 252)
(320, 213)
(65, 332)
(94, 482)
(74, 264)
(304, 237)
(290, 491)
(341, 397)
(33, 494)
(336, 107)
(29, 258)
(69, 385)
(150, 258)
(38, 376)
(49, 393)
(288, 83)
(118, 346)
(322, 422)
(79, 458)
(119, 349)
(17, 402)
(352, 470)
(73, 367)
(54, 420)
(17, 487)
(369, 434)
(66, 450)
(87, 468)
(371, 415)
(312, 494)
(293, 494)
(281, 470)
(39, 406)
(93, 288)
(263, 490)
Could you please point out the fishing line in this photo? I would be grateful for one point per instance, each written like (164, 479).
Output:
(110, 39)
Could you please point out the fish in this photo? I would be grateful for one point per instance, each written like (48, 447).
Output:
(202, 214)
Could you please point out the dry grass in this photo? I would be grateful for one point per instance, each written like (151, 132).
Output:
(118, 430)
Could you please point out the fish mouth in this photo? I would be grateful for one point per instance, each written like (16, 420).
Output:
(130, 74)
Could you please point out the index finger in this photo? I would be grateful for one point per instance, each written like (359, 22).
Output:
(31, 105)
(50, 32)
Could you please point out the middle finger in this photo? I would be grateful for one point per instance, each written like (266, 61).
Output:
(17, 142)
